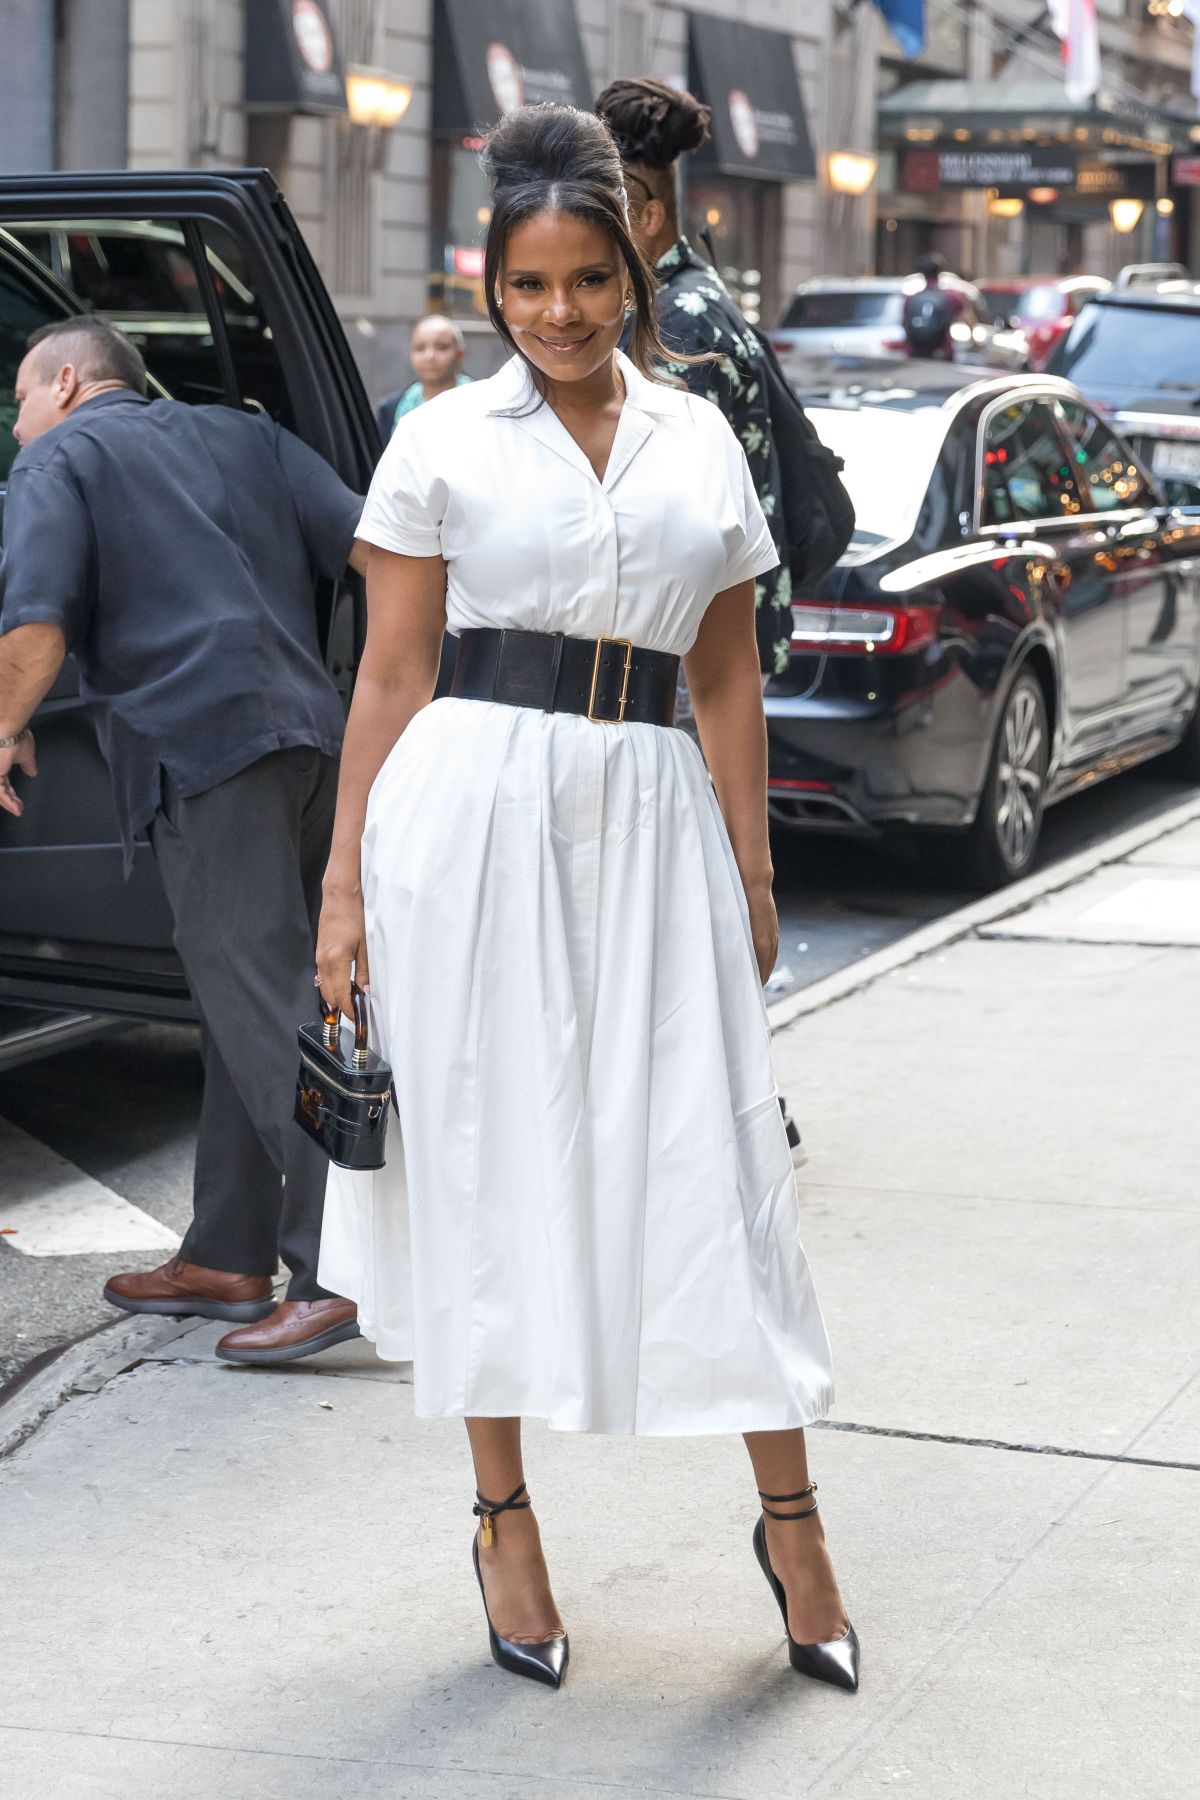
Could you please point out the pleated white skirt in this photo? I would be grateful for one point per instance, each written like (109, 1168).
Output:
(589, 1211)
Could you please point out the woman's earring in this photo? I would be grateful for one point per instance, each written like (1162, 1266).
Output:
(628, 304)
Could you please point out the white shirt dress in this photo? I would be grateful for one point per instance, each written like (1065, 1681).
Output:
(589, 1212)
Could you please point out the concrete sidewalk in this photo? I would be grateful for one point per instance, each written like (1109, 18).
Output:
(231, 1584)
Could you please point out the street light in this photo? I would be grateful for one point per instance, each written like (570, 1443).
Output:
(373, 97)
(1125, 214)
(851, 171)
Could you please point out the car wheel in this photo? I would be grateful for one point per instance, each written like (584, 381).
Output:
(1003, 840)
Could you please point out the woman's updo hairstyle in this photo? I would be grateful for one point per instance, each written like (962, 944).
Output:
(652, 123)
(550, 158)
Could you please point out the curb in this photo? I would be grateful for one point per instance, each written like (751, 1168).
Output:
(966, 919)
(83, 1367)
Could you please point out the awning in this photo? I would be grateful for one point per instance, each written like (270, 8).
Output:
(1028, 110)
(492, 55)
(292, 58)
(747, 75)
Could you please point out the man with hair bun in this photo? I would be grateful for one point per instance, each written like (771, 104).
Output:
(173, 549)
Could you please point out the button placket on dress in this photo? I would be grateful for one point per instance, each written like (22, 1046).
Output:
(593, 749)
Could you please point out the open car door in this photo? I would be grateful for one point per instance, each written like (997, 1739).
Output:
(208, 274)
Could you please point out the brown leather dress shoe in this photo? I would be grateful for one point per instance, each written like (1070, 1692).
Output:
(183, 1289)
(295, 1328)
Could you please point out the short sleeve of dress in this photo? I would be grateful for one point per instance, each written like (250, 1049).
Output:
(750, 548)
(407, 499)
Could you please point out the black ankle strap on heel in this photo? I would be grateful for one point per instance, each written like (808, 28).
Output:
(486, 1510)
(807, 1493)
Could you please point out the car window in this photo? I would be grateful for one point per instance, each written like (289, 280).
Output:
(1025, 472)
(132, 269)
(255, 355)
(1113, 349)
(25, 304)
(813, 312)
(139, 274)
(1040, 302)
(1108, 472)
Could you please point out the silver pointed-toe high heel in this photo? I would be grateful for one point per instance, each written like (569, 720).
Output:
(835, 1661)
(545, 1662)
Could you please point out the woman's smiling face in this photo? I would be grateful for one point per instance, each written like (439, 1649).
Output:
(562, 289)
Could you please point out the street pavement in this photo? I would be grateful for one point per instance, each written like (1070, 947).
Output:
(244, 1583)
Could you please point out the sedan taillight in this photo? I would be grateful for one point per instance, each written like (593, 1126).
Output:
(863, 630)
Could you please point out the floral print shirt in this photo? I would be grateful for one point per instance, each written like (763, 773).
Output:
(696, 313)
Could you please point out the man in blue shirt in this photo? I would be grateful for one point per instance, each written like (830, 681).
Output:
(173, 550)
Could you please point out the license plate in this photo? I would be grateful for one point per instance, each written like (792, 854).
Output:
(1180, 462)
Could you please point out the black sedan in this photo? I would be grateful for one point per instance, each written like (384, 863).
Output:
(1017, 616)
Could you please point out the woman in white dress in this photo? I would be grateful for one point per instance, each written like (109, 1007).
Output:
(589, 1211)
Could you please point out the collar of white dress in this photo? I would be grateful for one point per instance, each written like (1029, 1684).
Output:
(512, 385)
(645, 401)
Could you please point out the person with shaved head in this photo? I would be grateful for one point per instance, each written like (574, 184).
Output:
(173, 550)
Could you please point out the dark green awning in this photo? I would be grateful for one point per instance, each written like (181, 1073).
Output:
(1040, 106)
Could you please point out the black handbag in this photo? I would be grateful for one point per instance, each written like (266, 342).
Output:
(342, 1101)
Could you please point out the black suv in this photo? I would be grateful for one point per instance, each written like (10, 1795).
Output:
(1135, 353)
(209, 275)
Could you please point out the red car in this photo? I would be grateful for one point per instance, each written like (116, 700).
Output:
(1042, 306)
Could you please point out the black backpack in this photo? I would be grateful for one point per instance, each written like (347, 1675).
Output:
(818, 513)
(927, 320)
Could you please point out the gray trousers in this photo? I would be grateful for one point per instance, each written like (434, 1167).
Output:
(242, 867)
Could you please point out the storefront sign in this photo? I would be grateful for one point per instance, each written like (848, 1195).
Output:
(747, 75)
(1186, 171)
(490, 56)
(1027, 167)
(292, 59)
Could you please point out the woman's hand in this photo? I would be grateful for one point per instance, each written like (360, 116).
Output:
(764, 927)
(342, 945)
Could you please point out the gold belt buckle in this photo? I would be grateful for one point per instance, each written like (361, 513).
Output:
(601, 718)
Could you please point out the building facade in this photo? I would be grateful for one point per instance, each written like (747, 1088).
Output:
(967, 137)
(984, 159)
(395, 215)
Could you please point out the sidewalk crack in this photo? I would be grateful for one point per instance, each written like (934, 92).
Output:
(980, 1443)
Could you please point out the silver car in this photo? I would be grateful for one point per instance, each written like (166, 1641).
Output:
(865, 317)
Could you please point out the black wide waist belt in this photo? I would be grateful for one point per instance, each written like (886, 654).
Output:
(606, 679)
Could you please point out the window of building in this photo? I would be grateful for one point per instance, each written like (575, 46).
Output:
(742, 218)
(461, 210)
